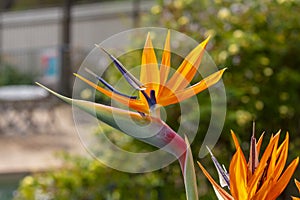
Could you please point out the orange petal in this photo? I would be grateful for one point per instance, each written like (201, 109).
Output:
(165, 61)
(188, 68)
(263, 192)
(269, 150)
(221, 191)
(281, 157)
(297, 184)
(272, 161)
(284, 180)
(257, 178)
(235, 140)
(238, 176)
(132, 103)
(149, 69)
(258, 144)
(193, 90)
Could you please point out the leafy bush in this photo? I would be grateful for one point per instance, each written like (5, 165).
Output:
(258, 41)
(84, 179)
(10, 76)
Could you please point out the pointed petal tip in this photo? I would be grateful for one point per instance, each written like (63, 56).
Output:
(262, 134)
(209, 150)
(167, 42)
(235, 140)
(64, 98)
(297, 183)
(134, 82)
(208, 37)
(169, 32)
(90, 72)
(148, 43)
(104, 50)
(205, 42)
(44, 87)
(232, 132)
(278, 132)
(297, 160)
(39, 84)
(223, 70)
(198, 162)
(110, 55)
(78, 76)
(200, 165)
(287, 134)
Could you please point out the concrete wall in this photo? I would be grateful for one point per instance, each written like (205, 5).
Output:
(91, 23)
(29, 35)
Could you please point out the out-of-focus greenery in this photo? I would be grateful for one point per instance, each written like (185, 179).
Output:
(11, 76)
(87, 179)
(258, 41)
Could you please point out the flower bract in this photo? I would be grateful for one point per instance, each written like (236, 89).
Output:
(257, 179)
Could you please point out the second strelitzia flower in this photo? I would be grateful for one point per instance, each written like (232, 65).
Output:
(263, 179)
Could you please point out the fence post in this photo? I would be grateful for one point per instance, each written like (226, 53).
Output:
(65, 68)
(136, 13)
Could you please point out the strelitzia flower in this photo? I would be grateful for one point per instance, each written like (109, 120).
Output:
(257, 179)
(154, 91)
(154, 87)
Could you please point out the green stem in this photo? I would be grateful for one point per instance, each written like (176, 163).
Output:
(189, 176)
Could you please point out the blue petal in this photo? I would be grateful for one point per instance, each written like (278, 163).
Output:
(134, 82)
(110, 87)
(223, 175)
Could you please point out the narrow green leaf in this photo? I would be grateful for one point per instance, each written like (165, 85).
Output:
(190, 181)
(148, 129)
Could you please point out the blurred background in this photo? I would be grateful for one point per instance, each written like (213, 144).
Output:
(46, 41)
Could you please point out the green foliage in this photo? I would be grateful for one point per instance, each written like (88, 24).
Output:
(258, 41)
(82, 178)
(11, 76)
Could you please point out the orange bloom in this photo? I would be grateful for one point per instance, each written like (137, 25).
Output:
(154, 86)
(298, 186)
(257, 179)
